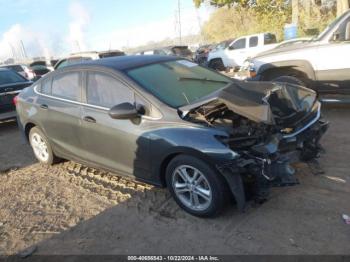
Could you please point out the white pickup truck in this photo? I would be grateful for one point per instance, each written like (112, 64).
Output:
(322, 63)
(240, 49)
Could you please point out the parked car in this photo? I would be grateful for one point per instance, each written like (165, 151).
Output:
(40, 68)
(180, 51)
(11, 83)
(201, 54)
(80, 57)
(321, 63)
(239, 50)
(47, 64)
(23, 70)
(76, 58)
(172, 123)
(110, 53)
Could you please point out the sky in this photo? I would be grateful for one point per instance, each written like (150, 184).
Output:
(59, 27)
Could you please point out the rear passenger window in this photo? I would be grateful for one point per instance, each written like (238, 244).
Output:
(67, 86)
(46, 87)
(106, 91)
(269, 39)
(253, 41)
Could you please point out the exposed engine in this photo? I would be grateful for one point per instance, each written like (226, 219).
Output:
(265, 156)
(244, 133)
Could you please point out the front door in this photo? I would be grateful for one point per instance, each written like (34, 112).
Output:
(117, 144)
(333, 63)
(237, 52)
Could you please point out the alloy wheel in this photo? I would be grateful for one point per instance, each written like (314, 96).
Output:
(191, 187)
(40, 147)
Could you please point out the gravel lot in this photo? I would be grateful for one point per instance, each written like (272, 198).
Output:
(72, 209)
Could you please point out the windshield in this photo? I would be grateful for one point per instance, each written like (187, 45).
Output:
(331, 26)
(178, 83)
(9, 77)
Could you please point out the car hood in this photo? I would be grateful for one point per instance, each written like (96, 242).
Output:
(263, 102)
(288, 48)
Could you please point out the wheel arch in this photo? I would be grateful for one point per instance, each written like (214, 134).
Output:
(27, 127)
(163, 164)
(302, 66)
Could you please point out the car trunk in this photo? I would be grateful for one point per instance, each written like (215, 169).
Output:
(7, 93)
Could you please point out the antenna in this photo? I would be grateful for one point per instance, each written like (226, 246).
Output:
(23, 50)
(179, 10)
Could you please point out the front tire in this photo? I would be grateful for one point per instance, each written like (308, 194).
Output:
(217, 64)
(41, 147)
(196, 187)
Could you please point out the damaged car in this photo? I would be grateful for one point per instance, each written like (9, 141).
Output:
(172, 123)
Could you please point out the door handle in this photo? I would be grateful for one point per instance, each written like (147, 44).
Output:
(43, 106)
(89, 119)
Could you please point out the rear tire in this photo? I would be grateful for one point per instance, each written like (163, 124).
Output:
(196, 187)
(41, 147)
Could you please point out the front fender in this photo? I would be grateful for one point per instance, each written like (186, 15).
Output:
(199, 142)
(300, 65)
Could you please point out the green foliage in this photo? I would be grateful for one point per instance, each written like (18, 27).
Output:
(219, 3)
(249, 17)
(227, 23)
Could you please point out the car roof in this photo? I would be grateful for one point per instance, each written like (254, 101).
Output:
(2, 66)
(122, 63)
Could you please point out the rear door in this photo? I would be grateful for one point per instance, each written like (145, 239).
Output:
(113, 143)
(60, 111)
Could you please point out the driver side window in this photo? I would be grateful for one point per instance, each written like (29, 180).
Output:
(239, 44)
(343, 32)
(106, 91)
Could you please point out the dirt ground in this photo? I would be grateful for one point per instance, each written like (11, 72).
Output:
(72, 209)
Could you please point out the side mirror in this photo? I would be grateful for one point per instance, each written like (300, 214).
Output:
(231, 47)
(336, 36)
(123, 111)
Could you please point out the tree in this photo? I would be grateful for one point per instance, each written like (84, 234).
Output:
(342, 6)
(218, 3)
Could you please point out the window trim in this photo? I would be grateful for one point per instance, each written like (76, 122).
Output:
(240, 39)
(85, 72)
(83, 90)
(67, 100)
(85, 85)
(80, 75)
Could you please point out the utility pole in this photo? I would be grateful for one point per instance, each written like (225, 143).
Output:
(78, 45)
(179, 10)
(307, 7)
(23, 50)
(295, 12)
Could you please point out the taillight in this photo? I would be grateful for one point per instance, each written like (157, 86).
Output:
(15, 100)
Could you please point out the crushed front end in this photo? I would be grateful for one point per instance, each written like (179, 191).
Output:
(268, 137)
